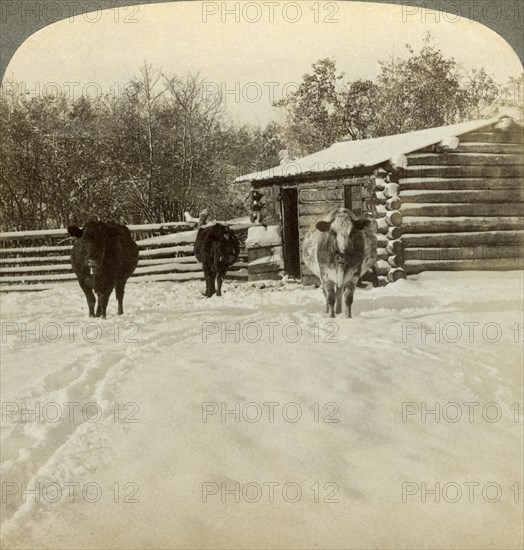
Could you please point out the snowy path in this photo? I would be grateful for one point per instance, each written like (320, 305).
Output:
(171, 362)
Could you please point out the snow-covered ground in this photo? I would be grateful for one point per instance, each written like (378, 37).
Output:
(176, 363)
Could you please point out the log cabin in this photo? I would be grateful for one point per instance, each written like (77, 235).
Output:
(446, 198)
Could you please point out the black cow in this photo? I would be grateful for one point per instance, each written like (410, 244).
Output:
(216, 248)
(104, 256)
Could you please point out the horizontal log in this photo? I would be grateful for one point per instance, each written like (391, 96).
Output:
(437, 183)
(459, 196)
(57, 233)
(390, 205)
(473, 171)
(391, 190)
(382, 240)
(450, 209)
(493, 137)
(170, 251)
(383, 267)
(395, 247)
(25, 260)
(35, 250)
(53, 268)
(464, 253)
(52, 277)
(499, 238)
(500, 264)
(394, 218)
(394, 233)
(382, 254)
(462, 159)
(479, 147)
(392, 273)
(381, 226)
(393, 204)
(396, 260)
(414, 224)
(395, 274)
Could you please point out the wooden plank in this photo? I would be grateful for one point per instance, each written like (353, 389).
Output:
(499, 264)
(460, 196)
(415, 224)
(318, 208)
(449, 209)
(463, 239)
(437, 183)
(462, 159)
(312, 195)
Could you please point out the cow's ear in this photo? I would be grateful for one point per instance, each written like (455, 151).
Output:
(361, 224)
(75, 231)
(323, 226)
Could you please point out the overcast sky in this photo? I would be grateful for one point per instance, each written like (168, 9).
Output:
(255, 61)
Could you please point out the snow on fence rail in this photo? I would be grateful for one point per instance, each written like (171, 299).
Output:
(36, 260)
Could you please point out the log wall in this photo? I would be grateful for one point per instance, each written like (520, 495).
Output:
(462, 209)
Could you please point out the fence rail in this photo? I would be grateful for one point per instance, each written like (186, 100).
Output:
(37, 260)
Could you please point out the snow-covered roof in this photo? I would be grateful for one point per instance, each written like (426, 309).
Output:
(347, 155)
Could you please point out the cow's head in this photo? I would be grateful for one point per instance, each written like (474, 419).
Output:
(227, 242)
(95, 237)
(341, 222)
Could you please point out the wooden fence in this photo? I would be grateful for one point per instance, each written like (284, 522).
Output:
(37, 260)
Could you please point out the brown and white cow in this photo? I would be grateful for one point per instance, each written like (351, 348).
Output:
(339, 249)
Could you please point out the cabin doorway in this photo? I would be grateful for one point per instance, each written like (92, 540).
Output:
(353, 199)
(290, 234)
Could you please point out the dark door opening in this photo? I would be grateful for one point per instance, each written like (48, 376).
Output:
(353, 199)
(290, 235)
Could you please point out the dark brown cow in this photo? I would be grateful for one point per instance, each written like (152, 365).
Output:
(339, 250)
(216, 248)
(104, 256)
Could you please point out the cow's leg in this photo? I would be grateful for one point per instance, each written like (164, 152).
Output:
(326, 297)
(90, 297)
(209, 275)
(220, 278)
(349, 292)
(212, 284)
(119, 292)
(338, 308)
(374, 278)
(207, 278)
(330, 293)
(103, 299)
